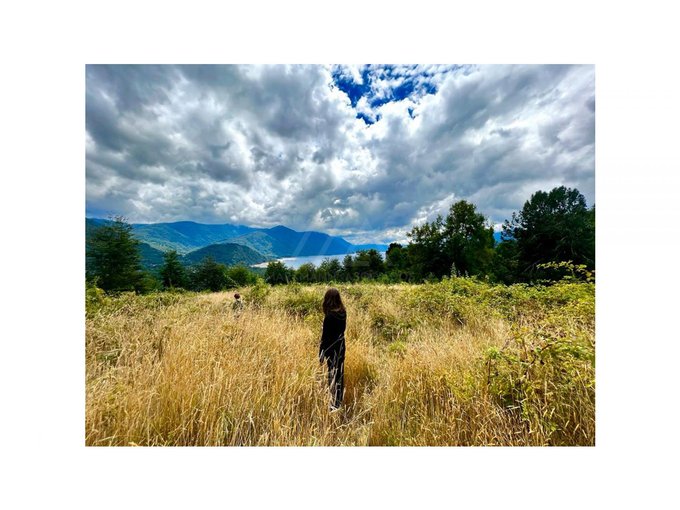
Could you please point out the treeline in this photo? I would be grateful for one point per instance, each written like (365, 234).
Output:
(551, 237)
(365, 265)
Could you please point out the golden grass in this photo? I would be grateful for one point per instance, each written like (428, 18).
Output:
(185, 369)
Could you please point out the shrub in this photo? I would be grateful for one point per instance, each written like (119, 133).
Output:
(302, 303)
(437, 300)
(388, 325)
(95, 298)
(545, 378)
(257, 294)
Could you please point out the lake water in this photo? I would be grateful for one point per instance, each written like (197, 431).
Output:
(296, 262)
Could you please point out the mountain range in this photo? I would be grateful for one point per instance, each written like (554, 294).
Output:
(230, 244)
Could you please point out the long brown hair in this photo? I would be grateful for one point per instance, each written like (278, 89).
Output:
(332, 301)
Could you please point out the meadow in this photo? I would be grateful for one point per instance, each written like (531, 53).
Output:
(457, 362)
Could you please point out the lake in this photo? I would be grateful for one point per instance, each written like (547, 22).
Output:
(296, 262)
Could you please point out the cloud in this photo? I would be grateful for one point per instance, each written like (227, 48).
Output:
(360, 151)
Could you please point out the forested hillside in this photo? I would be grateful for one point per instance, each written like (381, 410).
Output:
(226, 253)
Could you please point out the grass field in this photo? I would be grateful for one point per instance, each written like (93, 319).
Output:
(459, 362)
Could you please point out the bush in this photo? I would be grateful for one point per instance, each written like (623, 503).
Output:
(257, 294)
(302, 303)
(388, 325)
(545, 377)
(438, 300)
(95, 298)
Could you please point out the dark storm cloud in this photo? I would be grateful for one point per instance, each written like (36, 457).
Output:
(265, 145)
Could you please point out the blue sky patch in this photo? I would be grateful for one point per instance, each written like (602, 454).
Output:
(383, 84)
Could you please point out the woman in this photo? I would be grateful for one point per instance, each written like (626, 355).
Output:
(332, 348)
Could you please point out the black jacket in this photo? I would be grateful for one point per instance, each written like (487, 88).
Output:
(333, 335)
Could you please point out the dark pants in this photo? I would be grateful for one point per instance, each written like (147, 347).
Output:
(335, 359)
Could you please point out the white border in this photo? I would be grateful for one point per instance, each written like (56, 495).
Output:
(47, 44)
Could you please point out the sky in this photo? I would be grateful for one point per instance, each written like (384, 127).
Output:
(361, 151)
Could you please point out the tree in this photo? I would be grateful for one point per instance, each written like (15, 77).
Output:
(348, 268)
(504, 266)
(112, 256)
(209, 275)
(396, 262)
(461, 243)
(241, 275)
(173, 273)
(368, 264)
(556, 226)
(278, 273)
(467, 240)
(329, 269)
(395, 257)
(425, 251)
(306, 273)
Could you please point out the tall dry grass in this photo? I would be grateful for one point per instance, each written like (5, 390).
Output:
(446, 364)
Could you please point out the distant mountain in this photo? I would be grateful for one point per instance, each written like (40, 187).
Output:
(225, 253)
(275, 242)
(281, 241)
(185, 236)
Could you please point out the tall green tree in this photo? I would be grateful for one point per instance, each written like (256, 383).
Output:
(348, 268)
(425, 252)
(112, 256)
(396, 262)
(395, 257)
(461, 243)
(504, 265)
(210, 275)
(368, 264)
(173, 273)
(467, 240)
(556, 226)
(277, 273)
